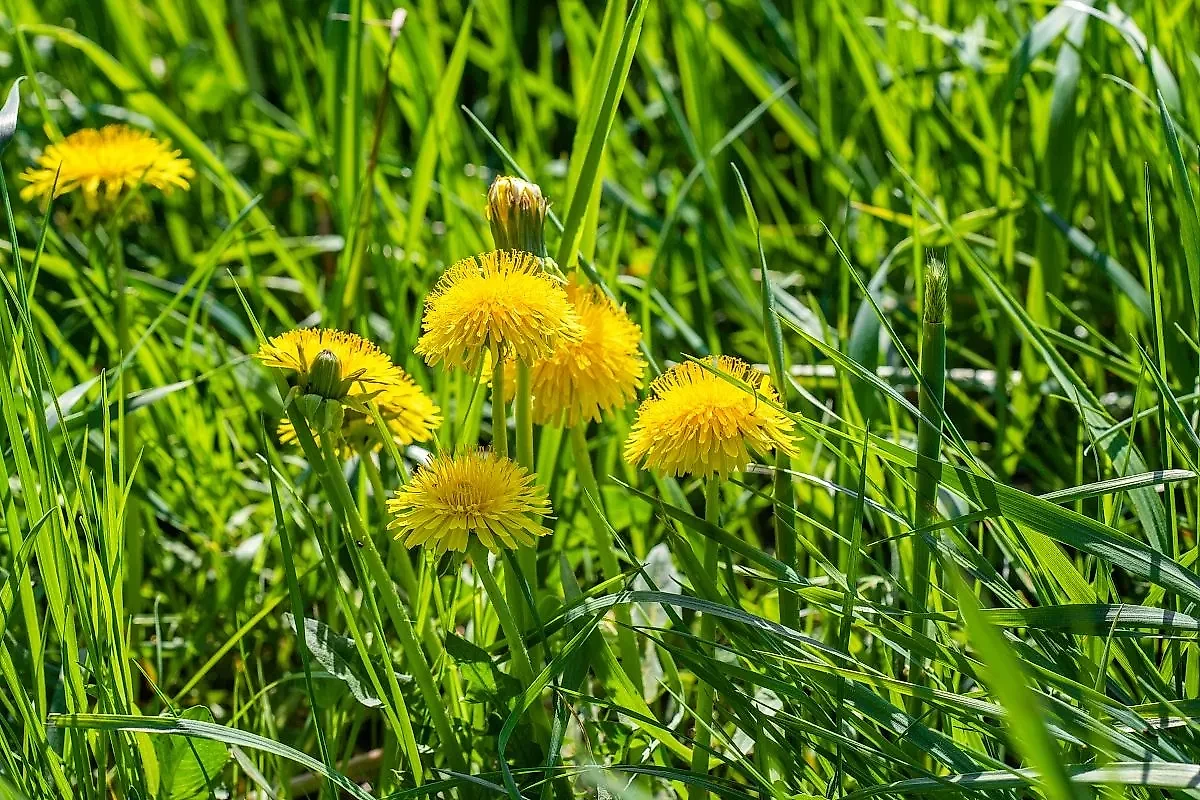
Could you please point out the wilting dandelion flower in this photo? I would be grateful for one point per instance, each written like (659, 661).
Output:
(479, 494)
(407, 412)
(581, 380)
(103, 164)
(700, 423)
(500, 302)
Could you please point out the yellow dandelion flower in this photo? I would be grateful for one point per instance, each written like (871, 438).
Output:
(501, 301)
(699, 423)
(601, 371)
(406, 410)
(479, 494)
(103, 164)
(333, 364)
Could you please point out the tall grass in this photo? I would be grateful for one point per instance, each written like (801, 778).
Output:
(976, 581)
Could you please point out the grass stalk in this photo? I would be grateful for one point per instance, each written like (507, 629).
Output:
(708, 630)
(929, 436)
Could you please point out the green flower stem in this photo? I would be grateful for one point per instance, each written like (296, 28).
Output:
(343, 502)
(523, 401)
(134, 533)
(785, 537)
(606, 547)
(521, 665)
(499, 407)
(708, 631)
(512, 581)
(524, 412)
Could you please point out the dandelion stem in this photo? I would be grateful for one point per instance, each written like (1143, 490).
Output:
(524, 415)
(708, 631)
(607, 548)
(499, 406)
(508, 623)
(522, 667)
(523, 401)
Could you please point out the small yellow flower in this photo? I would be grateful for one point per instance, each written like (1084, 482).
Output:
(103, 164)
(602, 371)
(500, 301)
(333, 364)
(478, 493)
(406, 410)
(700, 423)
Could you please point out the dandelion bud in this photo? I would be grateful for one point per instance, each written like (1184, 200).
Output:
(936, 287)
(517, 211)
(325, 375)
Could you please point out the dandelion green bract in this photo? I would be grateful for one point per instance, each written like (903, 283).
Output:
(846, 447)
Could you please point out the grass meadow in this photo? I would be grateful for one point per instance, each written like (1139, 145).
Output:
(957, 243)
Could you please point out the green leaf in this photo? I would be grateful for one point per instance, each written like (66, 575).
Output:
(337, 654)
(208, 731)
(189, 766)
(589, 172)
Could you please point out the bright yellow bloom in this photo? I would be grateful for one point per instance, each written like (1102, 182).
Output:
(700, 423)
(103, 164)
(500, 301)
(584, 379)
(478, 493)
(406, 410)
(361, 370)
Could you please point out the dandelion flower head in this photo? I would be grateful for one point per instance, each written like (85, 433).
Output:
(480, 494)
(699, 423)
(361, 370)
(103, 164)
(501, 301)
(582, 380)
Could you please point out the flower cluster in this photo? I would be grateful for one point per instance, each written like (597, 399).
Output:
(580, 353)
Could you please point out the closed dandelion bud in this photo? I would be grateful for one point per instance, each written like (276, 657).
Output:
(936, 288)
(516, 211)
(325, 375)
